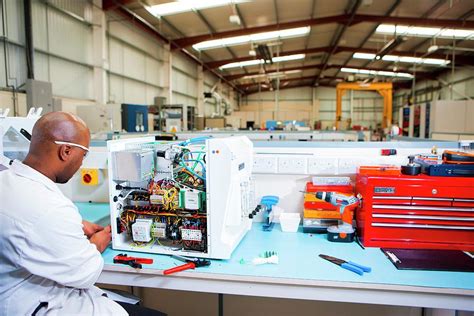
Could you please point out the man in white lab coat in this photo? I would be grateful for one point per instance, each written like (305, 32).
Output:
(50, 258)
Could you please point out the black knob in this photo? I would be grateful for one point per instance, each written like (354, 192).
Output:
(115, 199)
(251, 216)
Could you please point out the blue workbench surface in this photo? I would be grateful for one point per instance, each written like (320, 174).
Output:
(298, 259)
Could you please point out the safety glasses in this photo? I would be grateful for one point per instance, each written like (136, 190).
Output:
(86, 150)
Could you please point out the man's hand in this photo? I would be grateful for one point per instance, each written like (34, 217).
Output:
(101, 239)
(90, 228)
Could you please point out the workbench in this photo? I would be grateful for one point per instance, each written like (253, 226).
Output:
(300, 274)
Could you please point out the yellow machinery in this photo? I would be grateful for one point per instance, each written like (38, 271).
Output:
(384, 88)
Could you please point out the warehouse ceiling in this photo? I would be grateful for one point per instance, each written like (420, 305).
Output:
(318, 39)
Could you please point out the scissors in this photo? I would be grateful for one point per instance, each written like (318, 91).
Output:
(348, 265)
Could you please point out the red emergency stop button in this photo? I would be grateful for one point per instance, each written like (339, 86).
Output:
(87, 178)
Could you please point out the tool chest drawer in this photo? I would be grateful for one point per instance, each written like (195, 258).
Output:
(416, 211)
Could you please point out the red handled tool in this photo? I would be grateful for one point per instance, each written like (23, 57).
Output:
(191, 263)
(134, 262)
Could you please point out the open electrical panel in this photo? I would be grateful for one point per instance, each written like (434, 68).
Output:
(187, 198)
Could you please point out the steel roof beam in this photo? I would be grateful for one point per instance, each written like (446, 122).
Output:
(352, 9)
(339, 49)
(341, 19)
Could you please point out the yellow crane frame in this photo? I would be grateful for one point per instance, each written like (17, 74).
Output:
(383, 88)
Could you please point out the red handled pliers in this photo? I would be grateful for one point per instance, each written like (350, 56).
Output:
(191, 263)
(134, 262)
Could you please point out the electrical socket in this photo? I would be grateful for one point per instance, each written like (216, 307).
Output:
(326, 166)
(349, 165)
(264, 164)
(293, 165)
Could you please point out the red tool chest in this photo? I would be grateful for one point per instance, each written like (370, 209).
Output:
(426, 212)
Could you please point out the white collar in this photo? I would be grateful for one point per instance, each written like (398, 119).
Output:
(26, 171)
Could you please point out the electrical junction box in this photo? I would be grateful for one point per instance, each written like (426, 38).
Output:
(89, 177)
(39, 94)
(189, 198)
(141, 230)
(133, 165)
(158, 230)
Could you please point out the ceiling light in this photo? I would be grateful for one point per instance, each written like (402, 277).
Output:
(234, 19)
(258, 37)
(273, 74)
(433, 48)
(377, 72)
(260, 61)
(181, 6)
(424, 31)
(404, 59)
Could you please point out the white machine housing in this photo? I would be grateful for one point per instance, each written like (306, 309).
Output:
(13, 131)
(229, 195)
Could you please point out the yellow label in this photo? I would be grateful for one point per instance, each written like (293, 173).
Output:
(89, 176)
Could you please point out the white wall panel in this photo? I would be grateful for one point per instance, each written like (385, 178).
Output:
(136, 38)
(133, 63)
(16, 64)
(135, 92)
(123, 90)
(80, 8)
(182, 99)
(115, 56)
(40, 30)
(14, 13)
(71, 80)
(185, 64)
(41, 66)
(184, 84)
(69, 37)
(116, 88)
(152, 71)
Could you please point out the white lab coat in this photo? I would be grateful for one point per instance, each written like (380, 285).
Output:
(45, 256)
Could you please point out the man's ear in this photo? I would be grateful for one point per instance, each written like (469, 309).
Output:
(64, 152)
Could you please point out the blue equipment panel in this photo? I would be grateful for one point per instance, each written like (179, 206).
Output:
(135, 118)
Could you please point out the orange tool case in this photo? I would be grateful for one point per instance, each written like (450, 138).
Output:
(313, 203)
(425, 212)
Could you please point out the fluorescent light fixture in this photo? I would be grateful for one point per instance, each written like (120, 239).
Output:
(181, 6)
(377, 73)
(258, 37)
(261, 61)
(273, 74)
(424, 31)
(404, 59)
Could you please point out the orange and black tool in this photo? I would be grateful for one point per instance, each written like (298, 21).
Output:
(458, 157)
(191, 263)
(134, 262)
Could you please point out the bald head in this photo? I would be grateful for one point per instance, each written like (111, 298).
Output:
(58, 162)
(60, 126)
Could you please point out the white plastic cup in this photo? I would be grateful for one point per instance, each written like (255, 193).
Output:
(290, 222)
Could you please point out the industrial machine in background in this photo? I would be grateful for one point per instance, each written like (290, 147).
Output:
(15, 134)
(101, 118)
(135, 118)
(184, 198)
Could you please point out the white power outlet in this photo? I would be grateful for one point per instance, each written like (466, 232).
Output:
(326, 165)
(349, 165)
(263, 164)
(293, 165)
